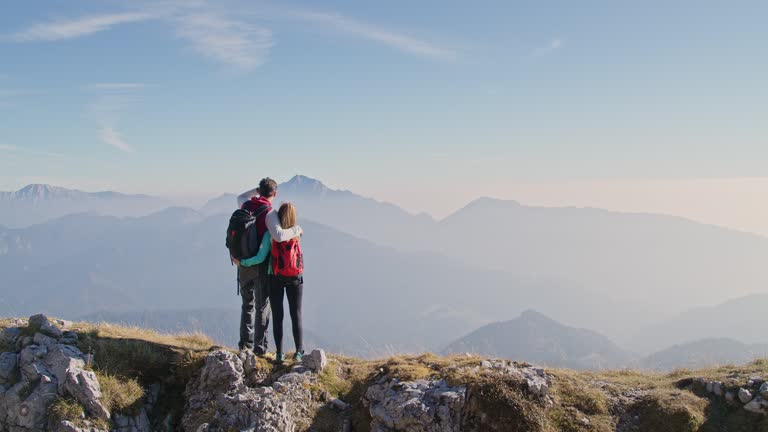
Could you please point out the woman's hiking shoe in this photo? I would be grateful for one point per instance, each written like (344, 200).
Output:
(279, 357)
(298, 356)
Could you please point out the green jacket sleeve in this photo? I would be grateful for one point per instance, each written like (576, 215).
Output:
(264, 249)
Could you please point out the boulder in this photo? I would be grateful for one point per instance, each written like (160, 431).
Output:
(758, 405)
(428, 406)
(745, 395)
(9, 371)
(764, 390)
(26, 404)
(316, 360)
(63, 358)
(717, 388)
(42, 324)
(44, 340)
(83, 386)
(218, 399)
(9, 336)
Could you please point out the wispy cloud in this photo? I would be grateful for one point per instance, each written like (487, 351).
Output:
(374, 33)
(114, 86)
(232, 42)
(238, 41)
(112, 137)
(553, 45)
(70, 29)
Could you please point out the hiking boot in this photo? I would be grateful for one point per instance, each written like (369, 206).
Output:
(298, 356)
(279, 357)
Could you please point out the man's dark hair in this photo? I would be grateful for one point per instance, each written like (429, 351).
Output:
(267, 187)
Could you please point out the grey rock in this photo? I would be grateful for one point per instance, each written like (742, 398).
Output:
(758, 405)
(710, 386)
(26, 404)
(24, 342)
(717, 388)
(44, 340)
(238, 407)
(339, 404)
(730, 396)
(316, 360)
(41, 323)
(83, 386)
(764, 390)
(63, 358)
(486, 364)
(137, 423)
(428, 406)
(745, 395)
(9, 336)
(9, 371)
(223, 371)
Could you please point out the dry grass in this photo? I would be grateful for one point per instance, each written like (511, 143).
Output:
(67, 409)
(120, 394)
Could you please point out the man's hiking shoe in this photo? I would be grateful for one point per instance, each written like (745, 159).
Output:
(298, 356)
(279, 357)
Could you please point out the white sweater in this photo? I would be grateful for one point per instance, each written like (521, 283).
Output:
(278, 233)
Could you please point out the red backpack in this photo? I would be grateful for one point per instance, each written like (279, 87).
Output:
(287, 259)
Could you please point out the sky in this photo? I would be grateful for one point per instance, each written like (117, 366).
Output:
(649, 106)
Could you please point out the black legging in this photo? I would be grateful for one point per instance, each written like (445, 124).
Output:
(294, 288)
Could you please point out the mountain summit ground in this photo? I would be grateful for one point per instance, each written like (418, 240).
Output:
(58, 375)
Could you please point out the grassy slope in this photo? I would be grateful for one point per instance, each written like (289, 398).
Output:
(128, 358)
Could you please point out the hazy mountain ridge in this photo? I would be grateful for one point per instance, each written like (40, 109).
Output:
(38, 203)
(705, 353)
(103, 263)
(536, 338)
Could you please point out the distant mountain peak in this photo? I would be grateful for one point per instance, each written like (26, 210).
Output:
(533, 315)
(301, 184)
(43, 191)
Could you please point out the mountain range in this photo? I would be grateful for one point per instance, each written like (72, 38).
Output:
(37, 203)
(382, 279)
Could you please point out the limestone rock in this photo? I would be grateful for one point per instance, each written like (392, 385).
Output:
(429, 406)
(758, 406)
(9, 362)
(41, 323)
(26, 404)
(9, 336)
(83, 386)
(316, 360)
(745, 395)
(218, 398)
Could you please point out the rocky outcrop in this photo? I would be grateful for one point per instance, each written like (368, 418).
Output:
(219, 399)
(41, 369)
(424, 406)
(435, 406)
(753, 395)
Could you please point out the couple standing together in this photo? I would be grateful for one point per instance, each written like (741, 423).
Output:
(271, 269)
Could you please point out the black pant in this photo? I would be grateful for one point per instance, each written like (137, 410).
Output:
(294, 288)
(255, 310)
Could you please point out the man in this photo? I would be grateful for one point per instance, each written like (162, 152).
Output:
(254, 284)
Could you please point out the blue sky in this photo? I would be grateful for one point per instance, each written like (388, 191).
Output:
(424, 103)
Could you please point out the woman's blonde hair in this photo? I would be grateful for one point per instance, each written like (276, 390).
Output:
(287, 215)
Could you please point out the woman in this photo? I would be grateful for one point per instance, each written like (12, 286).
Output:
(286, 279)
